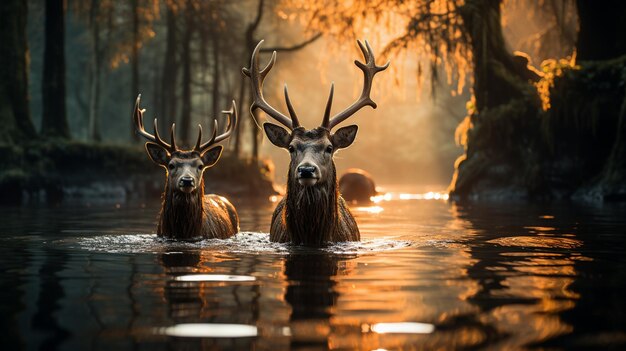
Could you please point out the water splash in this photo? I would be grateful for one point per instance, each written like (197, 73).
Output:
(243, 242)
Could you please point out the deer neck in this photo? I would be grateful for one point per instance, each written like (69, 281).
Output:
(311, 212)
(181, 213)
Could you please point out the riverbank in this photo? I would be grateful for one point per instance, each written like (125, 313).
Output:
(57, 171)
(572, 146)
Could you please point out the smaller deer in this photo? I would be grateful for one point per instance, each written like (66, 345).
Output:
(186, 213)
(312, 211)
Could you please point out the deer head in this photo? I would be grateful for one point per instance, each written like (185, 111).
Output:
(311, 150)
(184, 167)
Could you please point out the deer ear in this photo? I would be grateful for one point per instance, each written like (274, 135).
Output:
(210, 157)
(277, 135)
(344, 136)
(158, 154)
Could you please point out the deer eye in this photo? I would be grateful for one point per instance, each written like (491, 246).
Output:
(171, 166)
(329, 149)
(291, 149)
(200, 167)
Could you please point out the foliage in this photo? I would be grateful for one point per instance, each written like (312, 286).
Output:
(431, 29)
(552, 69)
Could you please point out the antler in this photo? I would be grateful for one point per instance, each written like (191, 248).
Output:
(138, 119)
(232, 123)
(369, 69)
(257, 76)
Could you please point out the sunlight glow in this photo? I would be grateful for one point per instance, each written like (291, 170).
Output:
(209, 330)
(215, 278)
(431, 195)
(378, 198)
(370, 209)
(402, 328)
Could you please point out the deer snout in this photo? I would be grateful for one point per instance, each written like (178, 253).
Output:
(307, 174)
(186, 183)
(307, 171)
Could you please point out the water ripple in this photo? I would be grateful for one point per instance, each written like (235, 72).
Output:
(244, 242)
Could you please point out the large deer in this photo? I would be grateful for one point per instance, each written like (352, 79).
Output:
(312, 211)
(186, 213)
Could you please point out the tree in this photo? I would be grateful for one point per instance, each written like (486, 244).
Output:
(134, 58)
(54, 119)
(185, 115)
(98, 11)
(169, 76)
(602, 28)
(94, 72)
(15, 122)
(250, 43)
(601, 38)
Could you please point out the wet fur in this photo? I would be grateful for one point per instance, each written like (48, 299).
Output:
(195, 215)
(313, 215)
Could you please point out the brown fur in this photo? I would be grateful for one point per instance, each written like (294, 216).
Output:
(313, 215)
(195, 215)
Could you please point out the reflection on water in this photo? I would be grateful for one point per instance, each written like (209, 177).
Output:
(403, 328)
(428, 275)
(207, 330)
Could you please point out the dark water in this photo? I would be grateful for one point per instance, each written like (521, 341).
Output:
(489, 276)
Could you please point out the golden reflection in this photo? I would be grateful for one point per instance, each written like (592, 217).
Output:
(378, 198)
(369, 209)
(544, 283)
(209, 330)
(214, 278)
(470, 288)
(535, 229)
(401, 328)
(431, 195)
(530, 278)
(537, 241)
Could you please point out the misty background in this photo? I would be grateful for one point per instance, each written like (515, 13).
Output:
(410, 138)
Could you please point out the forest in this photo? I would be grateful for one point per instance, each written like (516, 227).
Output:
(500, 99)
(312, 174)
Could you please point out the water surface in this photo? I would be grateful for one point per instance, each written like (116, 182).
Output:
(428, 274)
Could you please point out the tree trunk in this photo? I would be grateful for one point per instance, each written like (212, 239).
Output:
(602, 27)
(170, 72)
(244, 114)
(255, 133)
(614, 171)
(250, 44)
(601, 37)
(96, 64)
(134, 62)
(504, 121)
(185, 121)
(54, 119)
(215, 94)
(499, 76)
(14, 112)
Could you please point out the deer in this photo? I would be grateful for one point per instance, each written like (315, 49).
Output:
(312, 212)
(186, 212)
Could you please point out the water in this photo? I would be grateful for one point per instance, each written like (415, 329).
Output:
(428, 274)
